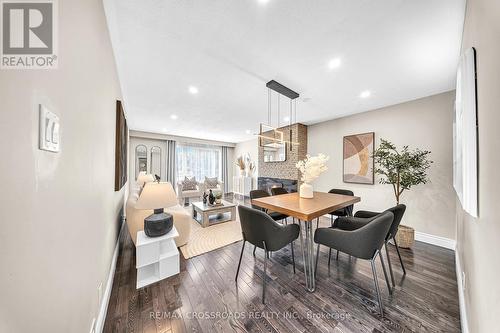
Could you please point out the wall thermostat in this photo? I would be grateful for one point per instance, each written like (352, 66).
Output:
(49, 130)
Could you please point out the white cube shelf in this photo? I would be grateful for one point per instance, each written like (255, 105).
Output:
(156, 257)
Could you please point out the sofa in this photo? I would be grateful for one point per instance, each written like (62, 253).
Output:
(135, 217)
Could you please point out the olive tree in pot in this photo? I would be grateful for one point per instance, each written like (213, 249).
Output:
(402, 169)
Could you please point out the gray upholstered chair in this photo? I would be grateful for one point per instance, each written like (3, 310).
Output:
(363, 243)
(398, 212)
(255, 194)
(278, 191)
(346, 211)
(262, 231)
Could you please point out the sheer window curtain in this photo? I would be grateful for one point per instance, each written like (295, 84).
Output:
(197, 160)
(225, 167)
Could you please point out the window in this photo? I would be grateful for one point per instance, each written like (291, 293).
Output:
(200, 161)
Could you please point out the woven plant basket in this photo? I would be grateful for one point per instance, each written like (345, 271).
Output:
(405, 236)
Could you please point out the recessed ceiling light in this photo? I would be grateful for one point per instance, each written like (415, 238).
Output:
(286, 119)
(193, 90)
(164, 129)
(365, 94)
(334, 63)
(173, 117)
(263, 2)
(248, 132)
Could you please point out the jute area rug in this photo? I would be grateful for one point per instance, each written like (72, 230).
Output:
(203, 240)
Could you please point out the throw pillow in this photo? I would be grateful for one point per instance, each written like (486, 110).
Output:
(189, 184)
(211, 183)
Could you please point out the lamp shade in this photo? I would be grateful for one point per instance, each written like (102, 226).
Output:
(144, 178)
(157, 195)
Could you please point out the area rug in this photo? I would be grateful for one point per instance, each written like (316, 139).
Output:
(203, 240)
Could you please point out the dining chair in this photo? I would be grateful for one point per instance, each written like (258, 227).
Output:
(363, 243)
(278, 191)
(346, 211)
(259, 229)
(255, 194)
(398, 212)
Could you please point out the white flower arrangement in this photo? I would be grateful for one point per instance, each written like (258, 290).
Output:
(312, 166)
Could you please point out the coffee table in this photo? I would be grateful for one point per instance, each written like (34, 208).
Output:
(208, 215)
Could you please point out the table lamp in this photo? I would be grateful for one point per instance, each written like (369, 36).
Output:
(144, 178)
(157, 196)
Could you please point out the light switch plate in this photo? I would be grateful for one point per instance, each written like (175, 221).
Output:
(49, 138)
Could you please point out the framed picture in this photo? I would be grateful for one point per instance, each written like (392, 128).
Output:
(358, 163)
(465, 134)
(121, 143)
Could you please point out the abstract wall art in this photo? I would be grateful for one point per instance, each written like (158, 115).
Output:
(358, 163)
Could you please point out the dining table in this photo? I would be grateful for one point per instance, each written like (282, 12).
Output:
(305, 211)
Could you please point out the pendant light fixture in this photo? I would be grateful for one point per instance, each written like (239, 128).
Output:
(270, 133)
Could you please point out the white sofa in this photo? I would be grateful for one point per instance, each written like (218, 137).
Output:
(135, 218)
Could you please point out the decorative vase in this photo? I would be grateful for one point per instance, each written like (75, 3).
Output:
(306, 191)
(242, 173)
(211, 198)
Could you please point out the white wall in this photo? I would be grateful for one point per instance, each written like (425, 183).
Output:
(59, 212)
(242, 148)
(478, 240)
(425, 123)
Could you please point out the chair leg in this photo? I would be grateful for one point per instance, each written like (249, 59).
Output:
(385, 273)
(331, 220)
(374, 271)
(337, 255)
(399, 255)
(329, 257)
(316, 264)
(317, 223)
(389, 264)
(265, 274)
(293, 257)
(254, 248)
(239, 263)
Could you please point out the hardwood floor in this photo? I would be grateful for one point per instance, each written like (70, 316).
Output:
(205, 298)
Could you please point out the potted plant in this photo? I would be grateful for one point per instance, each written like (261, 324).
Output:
(240, 162)
(402, 169)
(310, 168)
(218, 198)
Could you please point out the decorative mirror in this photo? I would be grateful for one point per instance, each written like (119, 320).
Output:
(155, 161)
(141, 159)
(274, 152)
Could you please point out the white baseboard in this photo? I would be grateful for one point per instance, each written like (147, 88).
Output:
(101, 318)
(435, 240)
(461, 296)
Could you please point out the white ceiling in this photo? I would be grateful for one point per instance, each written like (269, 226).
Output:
(398, 49)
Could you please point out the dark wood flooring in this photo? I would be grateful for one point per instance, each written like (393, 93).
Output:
(205, 298)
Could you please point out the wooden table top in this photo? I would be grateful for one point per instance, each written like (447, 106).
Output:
(306, 209)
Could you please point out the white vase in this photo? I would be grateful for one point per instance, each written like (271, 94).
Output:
(242, 173)
(306, 191)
